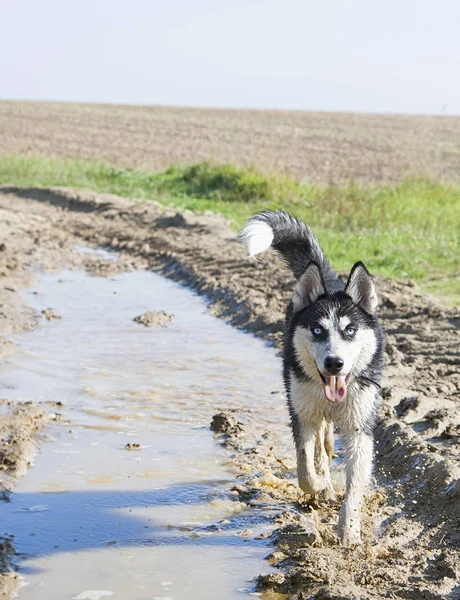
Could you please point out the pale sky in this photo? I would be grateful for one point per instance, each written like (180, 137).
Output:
(344, 55)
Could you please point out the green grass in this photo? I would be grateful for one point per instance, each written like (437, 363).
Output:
(410, 230)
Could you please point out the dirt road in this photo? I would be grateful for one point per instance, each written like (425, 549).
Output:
(412, 547)
(315, 147)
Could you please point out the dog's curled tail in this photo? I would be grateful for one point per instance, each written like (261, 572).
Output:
(290, 236)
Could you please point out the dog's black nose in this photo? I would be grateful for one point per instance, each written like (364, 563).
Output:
(333, 364)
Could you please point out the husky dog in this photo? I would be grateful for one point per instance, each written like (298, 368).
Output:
(333, 357)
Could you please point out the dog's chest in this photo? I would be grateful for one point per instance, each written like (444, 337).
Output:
(312, 407)
(308, 401)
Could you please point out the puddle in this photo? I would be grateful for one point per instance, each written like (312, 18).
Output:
(92, 519)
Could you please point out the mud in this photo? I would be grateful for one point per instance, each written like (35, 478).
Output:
(22, 253)
(129, 516)
(19, 426)
(152, 318)
(412, 517)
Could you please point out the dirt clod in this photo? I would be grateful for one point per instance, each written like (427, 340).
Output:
(272, 581)
(154, 318)
(298, 535)
(134, 446)
(224, 423)
(18, 426)
(50, 315)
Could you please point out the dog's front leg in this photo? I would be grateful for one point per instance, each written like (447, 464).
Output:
(323, 454)
(358, 448)
(309, 481)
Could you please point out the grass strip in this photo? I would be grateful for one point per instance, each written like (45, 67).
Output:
(410, 230)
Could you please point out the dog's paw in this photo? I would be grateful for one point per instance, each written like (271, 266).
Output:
(312, 485)
(349, 528)
(350, 536)
(328, 495)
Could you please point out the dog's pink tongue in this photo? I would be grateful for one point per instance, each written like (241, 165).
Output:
(335, 388)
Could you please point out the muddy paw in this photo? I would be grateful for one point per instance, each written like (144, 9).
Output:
(350, 536)
(328, 496)
(312, 485)
(349, 529)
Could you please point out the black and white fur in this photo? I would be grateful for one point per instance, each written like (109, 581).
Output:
(333, 357)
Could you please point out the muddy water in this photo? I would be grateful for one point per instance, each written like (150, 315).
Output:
(92, 519)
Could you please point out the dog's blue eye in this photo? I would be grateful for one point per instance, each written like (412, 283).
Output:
(317, 331)
(350, 331)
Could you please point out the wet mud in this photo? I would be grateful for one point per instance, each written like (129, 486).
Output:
(412, 516)
(130, 477)
(154, 318)
(20, 425)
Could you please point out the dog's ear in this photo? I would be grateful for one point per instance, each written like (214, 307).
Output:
(309, 287)
(361, 288)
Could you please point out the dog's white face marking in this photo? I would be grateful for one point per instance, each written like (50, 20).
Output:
(343, 322)
(335, 337)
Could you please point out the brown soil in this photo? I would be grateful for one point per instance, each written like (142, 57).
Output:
(19, 424)
(412, 544)
(314, 147)
(28, 241)
(154, 318)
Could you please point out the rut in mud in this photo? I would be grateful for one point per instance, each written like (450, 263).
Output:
(131, 495)
(412, 544)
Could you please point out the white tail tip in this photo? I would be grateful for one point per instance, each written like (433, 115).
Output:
(257, 236)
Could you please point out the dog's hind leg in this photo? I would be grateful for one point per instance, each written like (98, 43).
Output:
(305, 440)
(329, 440)
(358, 448)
